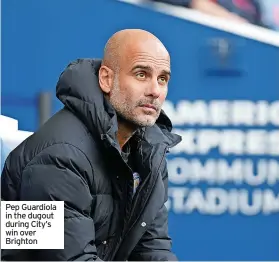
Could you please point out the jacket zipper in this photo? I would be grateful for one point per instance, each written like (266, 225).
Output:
(136, 199)
(128, 229)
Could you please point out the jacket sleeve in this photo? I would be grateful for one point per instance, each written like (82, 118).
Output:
(60, 172)
(155, 244)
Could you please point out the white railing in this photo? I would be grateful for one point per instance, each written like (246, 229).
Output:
(245, 30)
(10, 137)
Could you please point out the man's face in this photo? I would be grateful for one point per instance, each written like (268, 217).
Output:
(140, 86)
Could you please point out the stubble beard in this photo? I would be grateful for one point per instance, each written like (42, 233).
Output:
(125, 111)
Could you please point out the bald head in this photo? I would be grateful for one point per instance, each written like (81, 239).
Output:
(127, 41)
(134, 76)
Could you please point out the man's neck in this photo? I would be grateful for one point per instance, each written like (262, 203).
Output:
(125, 132)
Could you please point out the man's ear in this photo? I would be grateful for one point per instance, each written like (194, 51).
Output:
(105, 79)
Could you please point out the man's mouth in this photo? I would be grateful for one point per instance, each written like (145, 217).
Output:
(150, 106)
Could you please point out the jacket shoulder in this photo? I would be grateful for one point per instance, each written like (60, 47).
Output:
(62, 140)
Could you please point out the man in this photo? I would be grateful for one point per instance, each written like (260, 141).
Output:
(104, 155)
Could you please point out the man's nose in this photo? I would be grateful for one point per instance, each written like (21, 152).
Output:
(153, 89)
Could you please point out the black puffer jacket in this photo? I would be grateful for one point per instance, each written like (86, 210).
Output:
(75, 158)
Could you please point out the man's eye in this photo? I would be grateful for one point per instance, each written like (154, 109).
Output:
(140, 75)
(163, 79)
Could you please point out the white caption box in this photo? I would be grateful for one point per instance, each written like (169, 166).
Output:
(32, 224)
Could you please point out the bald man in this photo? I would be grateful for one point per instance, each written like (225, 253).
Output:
(104, 155)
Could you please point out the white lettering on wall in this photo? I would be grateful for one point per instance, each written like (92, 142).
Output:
(219, 171)
(209, 136)
(218, 112)
(223, 112)
(242, 113)
(217, 201)
(273, 142)
(227, 142)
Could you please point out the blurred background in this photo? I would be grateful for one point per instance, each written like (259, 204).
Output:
(223, 100)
